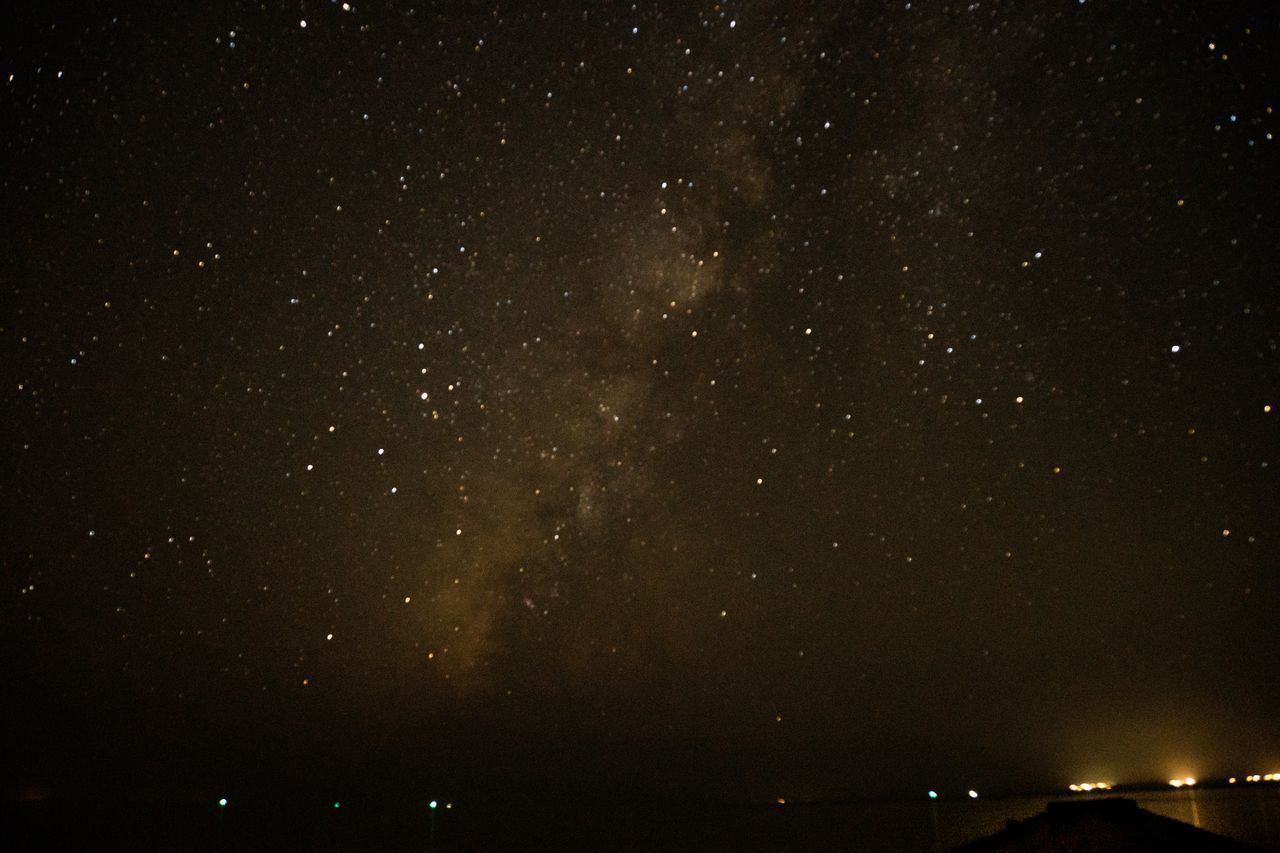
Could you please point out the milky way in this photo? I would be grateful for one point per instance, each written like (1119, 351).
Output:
(822, 398)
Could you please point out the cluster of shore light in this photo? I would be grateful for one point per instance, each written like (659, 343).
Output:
(1184, 782)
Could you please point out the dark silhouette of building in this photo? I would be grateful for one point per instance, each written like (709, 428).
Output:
(1114, 824)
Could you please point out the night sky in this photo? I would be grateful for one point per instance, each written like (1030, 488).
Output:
(739, 400)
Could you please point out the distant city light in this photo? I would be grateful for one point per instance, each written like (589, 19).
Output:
(782, 801)
(973, 795)
(1091, 786)
(1231, 781)
(933, 795)
(1187, 781)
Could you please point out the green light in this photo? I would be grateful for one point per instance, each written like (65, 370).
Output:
(433, 804)
(933, 795)
(337, 805)
(222, 803)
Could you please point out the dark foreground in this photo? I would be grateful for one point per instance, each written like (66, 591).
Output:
(42, 820)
